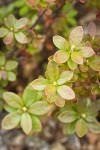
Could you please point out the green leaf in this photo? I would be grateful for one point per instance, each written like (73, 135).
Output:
(77, 57)
(93, 108)
(94, 126)
(20, 23)
(12, 100)
(90, 118)
(2, 59)
(52, 71)
(94, 63)
(68, 116)
(76, 36)
(9, 108)
(61, 43)
(65, 77)
(26, 123)
(81, 106)
(36, 124)
(69, 128)
(20, 37)
(11, 121)
(96, 90)
(3, 31)
(72, 65)
(61, 57)
(10, 21)
(87, 51)
(66, 92)
(11, 65)
(81, 128)
(40, 108)
(11, 76)
(39, 84)
(29, 95)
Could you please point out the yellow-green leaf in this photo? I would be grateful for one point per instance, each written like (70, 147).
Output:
(94, 63)
(52, 71)
(94, 126)
(20, 23)
(81, 128)
(29, 95)
(77, 57)
(61, 43)
(36, 124)
(39, 84)
(11, 76)
(12, 100)
(50, 89)
(3, 32)
(40, 108)
(65, 77)
(20, 37)
(68, 116)
(10, 65)
(72, 65)
(10, 21)
(26, 123)
(11, 121)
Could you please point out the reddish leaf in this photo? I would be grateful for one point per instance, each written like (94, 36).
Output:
(87, 51)
(32, 3)
(92, 29)
(9, 38)
(82, 1)
(76, 36)
(98, 15)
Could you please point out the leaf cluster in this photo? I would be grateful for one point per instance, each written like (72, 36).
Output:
(7, 69)
(24, 112)
(80, 117)
(13, 30)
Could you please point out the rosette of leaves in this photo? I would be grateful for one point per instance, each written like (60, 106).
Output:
(24, 112)
(13, 30)
(7, 69)
(80, 117)
(55, 86)
(74, 51)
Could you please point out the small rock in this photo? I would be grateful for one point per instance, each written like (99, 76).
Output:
(57, 146)
(36, 143)
(73, 142)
